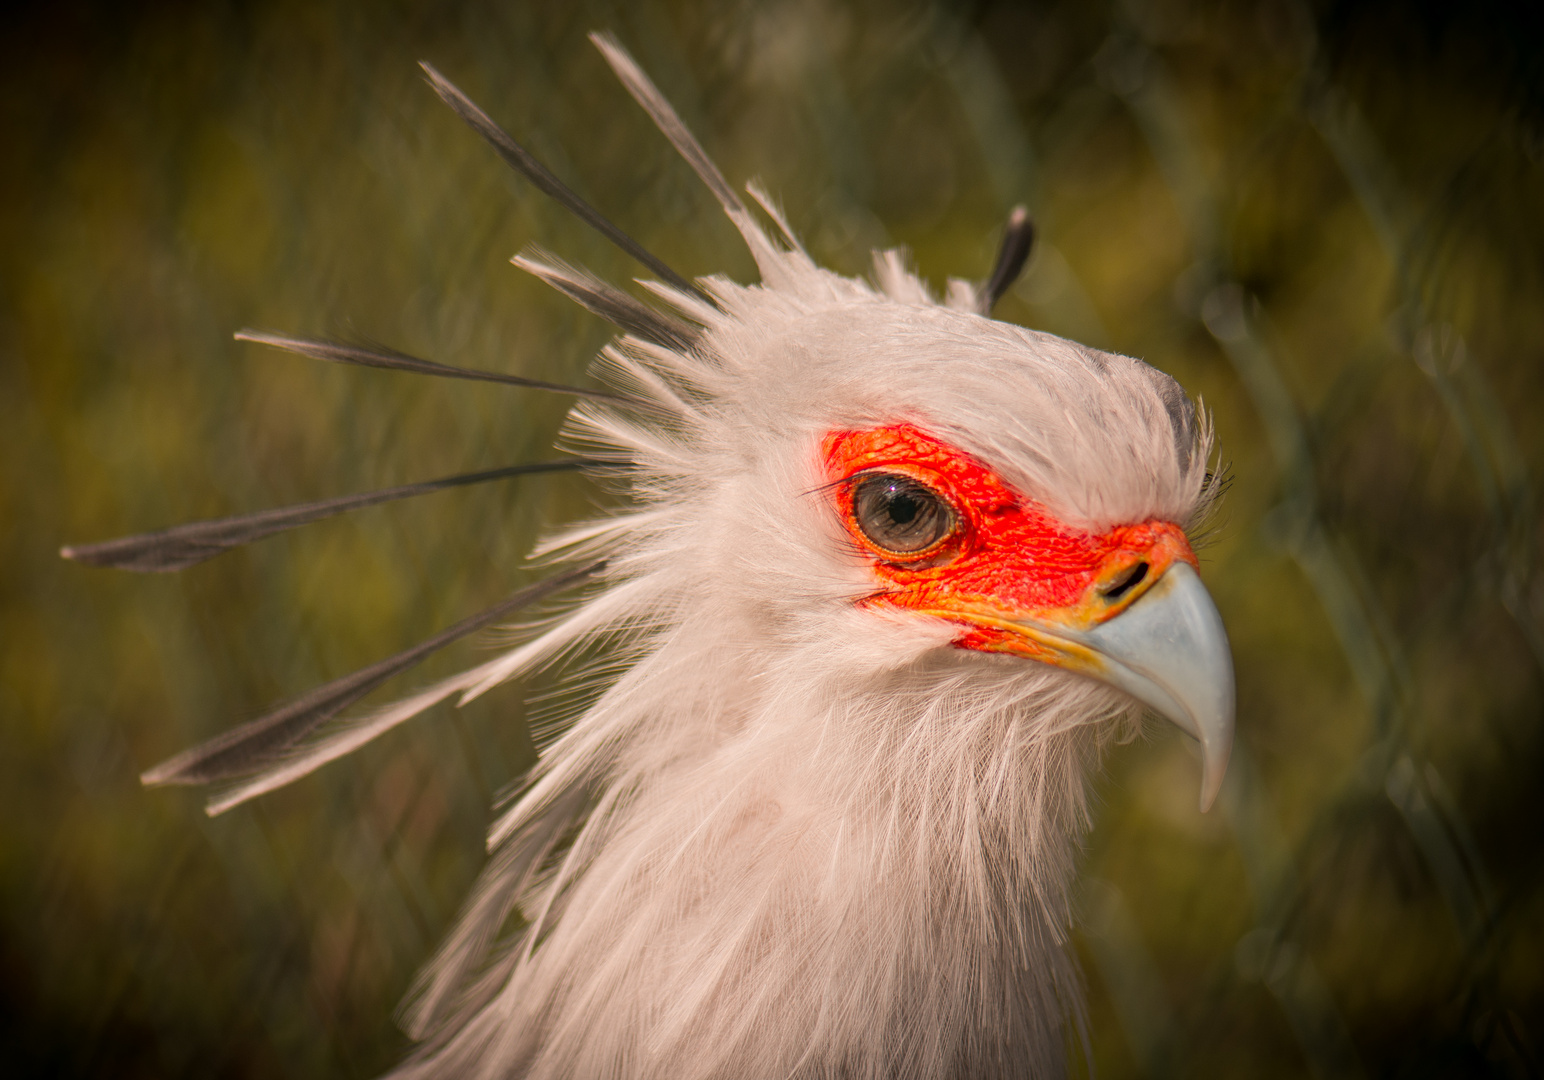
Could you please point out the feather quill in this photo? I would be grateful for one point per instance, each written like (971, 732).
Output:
(646, 94)
(1018, 242)
(608, 302)
(643, 90)
(254, 744)
(182, 546)
(519, 159)
(391, 360)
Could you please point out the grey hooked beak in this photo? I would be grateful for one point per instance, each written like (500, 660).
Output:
(1169, 651)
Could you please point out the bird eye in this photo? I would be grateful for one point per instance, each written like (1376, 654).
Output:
(900, 516)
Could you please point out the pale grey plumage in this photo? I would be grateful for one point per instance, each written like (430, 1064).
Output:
(794, 835)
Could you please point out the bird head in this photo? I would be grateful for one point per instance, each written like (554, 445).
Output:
(863, 477)
(884, 563)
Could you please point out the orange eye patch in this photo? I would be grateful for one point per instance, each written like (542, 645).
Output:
(969, 541)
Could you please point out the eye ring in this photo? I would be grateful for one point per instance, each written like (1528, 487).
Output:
(902, 518)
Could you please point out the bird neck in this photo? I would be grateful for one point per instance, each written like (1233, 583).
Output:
(792, 860)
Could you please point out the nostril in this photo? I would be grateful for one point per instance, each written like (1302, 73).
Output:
(1127, 581)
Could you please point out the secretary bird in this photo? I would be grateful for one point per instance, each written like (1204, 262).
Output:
(892, 574)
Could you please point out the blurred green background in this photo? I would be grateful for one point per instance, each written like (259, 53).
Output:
(1325, 217)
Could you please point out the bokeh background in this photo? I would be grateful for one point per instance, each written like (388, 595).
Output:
(1325, 217)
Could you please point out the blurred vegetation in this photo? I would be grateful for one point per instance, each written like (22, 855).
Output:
(1326, 217)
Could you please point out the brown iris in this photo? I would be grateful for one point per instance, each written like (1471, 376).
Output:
(899, 515)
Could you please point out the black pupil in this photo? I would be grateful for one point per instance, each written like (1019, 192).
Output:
(900, 515)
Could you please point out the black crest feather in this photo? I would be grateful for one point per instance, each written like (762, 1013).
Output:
(181, 546)
(1018, 242)
(258, 742)
(520, 159)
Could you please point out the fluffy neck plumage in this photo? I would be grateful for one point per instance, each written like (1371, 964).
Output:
(859, 874)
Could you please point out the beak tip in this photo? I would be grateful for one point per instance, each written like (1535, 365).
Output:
(1214, 769)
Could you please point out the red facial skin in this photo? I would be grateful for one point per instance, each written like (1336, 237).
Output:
(1007, 562)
